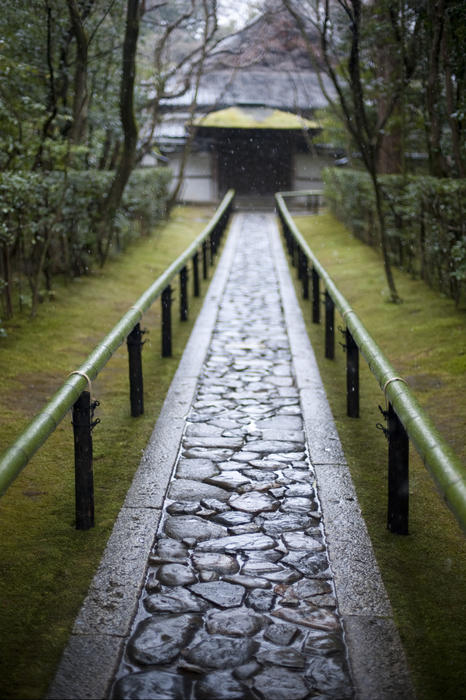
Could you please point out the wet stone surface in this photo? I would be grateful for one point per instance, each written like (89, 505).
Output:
(239, 600)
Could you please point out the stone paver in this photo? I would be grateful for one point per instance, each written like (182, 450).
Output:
(239, 565)
(239, 600)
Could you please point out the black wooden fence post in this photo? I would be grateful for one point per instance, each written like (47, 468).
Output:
(216, 238)
(352, 376)
(398, 475)
(329, 327)
(211, 248)
(315, 297)
(184, 294)
(136, 387)
(196, 285)
(291, 249)
(304, 275)
(166, 322)
(83, 475)
(204, 259)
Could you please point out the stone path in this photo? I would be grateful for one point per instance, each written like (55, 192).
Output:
(240, 566)
(239, 599)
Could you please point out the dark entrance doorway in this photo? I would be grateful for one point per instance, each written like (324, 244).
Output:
(254, 161)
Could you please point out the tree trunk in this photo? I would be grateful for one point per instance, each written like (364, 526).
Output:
(390, 155)
(128, 122)
(8, 280)
(192, 109)
(436, 161)
(36, 279)
(52, 108)
(368, 138)
(395, 298)
(180, 176)
(451, 103)
(81, 94)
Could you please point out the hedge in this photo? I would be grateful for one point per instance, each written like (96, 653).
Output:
(425, 218)
(49, 224)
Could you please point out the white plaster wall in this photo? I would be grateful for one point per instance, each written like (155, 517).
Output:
(198, 183)
(307, 170)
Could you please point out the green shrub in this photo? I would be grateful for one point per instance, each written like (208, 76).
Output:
(145, 196)
(424, 217)
(49, 224)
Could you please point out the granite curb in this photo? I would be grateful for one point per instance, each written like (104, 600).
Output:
(90, 659)
(376, 656)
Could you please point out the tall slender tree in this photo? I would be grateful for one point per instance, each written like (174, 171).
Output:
(128, 120)
(181, 36)
(81, 91)
(363, 101)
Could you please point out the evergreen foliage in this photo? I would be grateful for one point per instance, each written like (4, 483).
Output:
(81, 82)
(424, 217)
(49, 225)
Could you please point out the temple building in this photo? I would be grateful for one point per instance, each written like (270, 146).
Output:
(254, 123)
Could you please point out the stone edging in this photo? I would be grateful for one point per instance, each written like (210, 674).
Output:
(91, 657)
(376, 656)
(377, 659)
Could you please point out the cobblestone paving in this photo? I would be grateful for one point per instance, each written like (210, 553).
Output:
(239, 599)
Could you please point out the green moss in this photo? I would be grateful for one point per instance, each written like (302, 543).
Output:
(255, 118)
(46, 564)
(425, 340)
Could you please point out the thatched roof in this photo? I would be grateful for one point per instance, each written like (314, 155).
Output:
(272, 41)
(296, 91)
(264, 65)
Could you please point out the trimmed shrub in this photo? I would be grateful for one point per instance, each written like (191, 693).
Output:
(425, 222)
(49, 224)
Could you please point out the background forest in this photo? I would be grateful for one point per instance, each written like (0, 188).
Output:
(83, 83)
(398, 70)
(83, 88)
